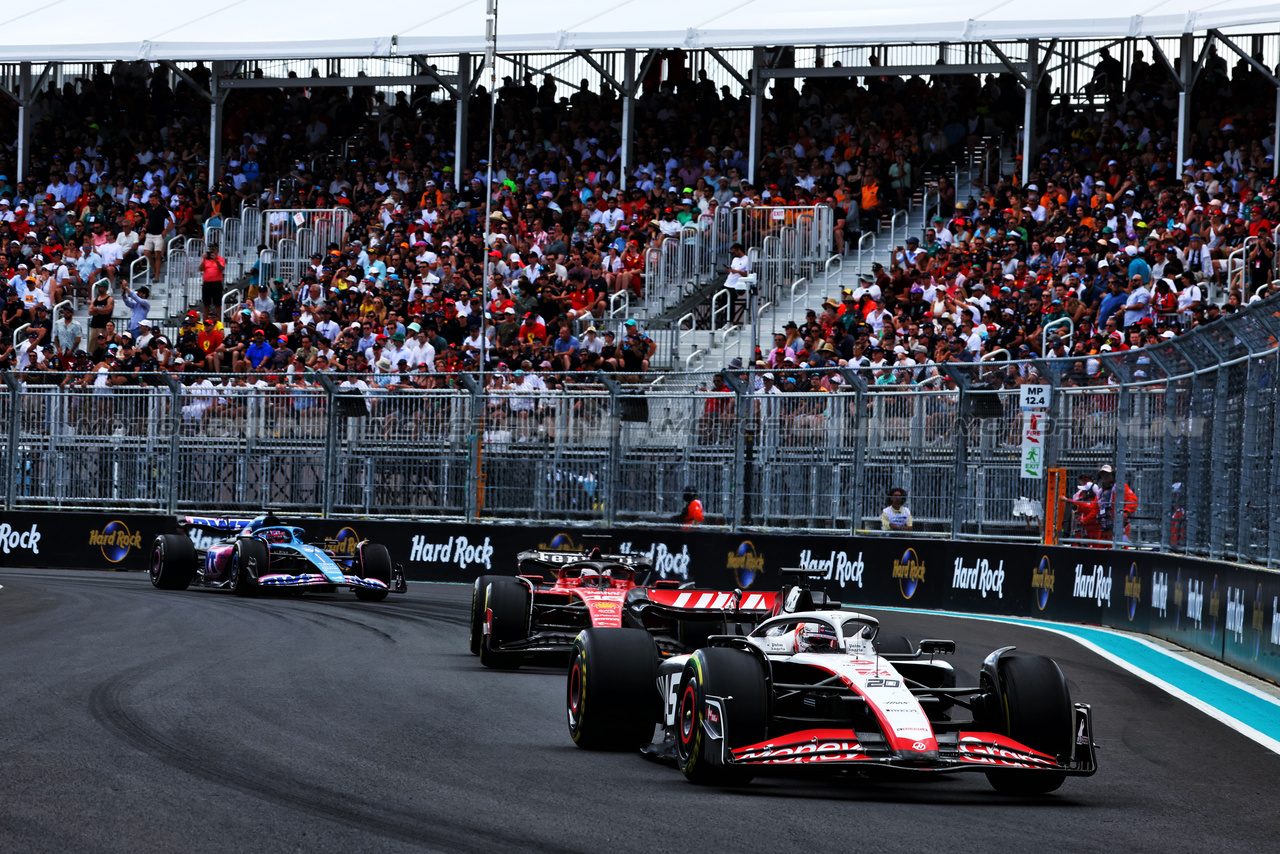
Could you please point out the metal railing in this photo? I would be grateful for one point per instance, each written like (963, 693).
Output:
(1190, 425)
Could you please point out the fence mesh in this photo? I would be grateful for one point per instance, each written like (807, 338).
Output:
(1192, 430)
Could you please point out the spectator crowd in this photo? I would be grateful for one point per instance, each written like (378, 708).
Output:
(1111, 245)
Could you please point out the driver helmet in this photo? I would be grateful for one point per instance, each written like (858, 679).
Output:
(589, 578)
(815, 637)
(276, 536)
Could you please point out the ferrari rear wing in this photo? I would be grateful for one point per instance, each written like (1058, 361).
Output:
(713, 600)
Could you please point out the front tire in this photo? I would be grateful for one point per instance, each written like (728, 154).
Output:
(247, 548)
(507, 603)
(478, 591)
(611, 695)
(1036, 711)
(173, 562)
(374, 562)
(736, 677)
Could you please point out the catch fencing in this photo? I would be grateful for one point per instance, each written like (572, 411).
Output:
(1190, 426)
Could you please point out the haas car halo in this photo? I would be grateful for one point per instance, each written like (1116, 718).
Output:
(812, 689)
(264, 554)
(535, 619)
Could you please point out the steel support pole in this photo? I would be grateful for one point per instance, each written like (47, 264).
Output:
(1273, 510)
(755, 132)
(1029, 111)
(1249, 494)
(1221, 492)
(463, 101)
(24, 119)
(215, 123)
(11, 445)
(1124, 411)
(628, 115)
(1275, 152)
(1187, 75)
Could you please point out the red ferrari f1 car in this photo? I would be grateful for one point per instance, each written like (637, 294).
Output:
(535, 617)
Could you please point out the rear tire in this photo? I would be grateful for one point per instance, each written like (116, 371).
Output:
(895, 645)
(612, 696)
(478, 591)
(1037, 712)
(173, 562)
(375, 562)
(507, 601)
(247, 548)
(733, 674)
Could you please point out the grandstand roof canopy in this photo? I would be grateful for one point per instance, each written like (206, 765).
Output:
(85, 30)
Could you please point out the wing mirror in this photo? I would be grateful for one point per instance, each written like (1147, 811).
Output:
(937, 647)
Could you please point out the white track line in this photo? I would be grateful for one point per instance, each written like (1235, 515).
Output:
(1191, 700)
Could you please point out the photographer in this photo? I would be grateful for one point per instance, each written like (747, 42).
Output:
(212, 269)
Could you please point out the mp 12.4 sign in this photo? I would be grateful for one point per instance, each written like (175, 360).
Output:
(1034, 403)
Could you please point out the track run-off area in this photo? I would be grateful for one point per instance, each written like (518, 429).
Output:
(138, 720)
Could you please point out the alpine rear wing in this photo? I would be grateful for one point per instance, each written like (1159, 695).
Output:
(219, 523)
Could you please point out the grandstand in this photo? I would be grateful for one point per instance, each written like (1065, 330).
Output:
(314, 257)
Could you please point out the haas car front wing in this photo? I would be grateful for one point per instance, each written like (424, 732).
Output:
(956, 751)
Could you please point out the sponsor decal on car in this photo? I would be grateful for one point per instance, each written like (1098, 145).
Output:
(1094, 584)
(991, 749)
(1133, 589)
(747, 564)
(1042, 582)
(804, 747)
(11, 539)
(909, 571)
(455, 550)
(980, 577)
(837, 566)
(115, 539)
(605, 606)
(286, 580)
(666, 563)
(201, 540)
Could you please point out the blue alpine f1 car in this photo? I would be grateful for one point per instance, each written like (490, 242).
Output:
(265, 554)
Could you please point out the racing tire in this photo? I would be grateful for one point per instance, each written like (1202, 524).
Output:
(247, 548)
(895, 645)
(610, 693)
(173, 562)
(374, 562)
(735, 676)
(1035, 710)
(507, 603)
(478, 592)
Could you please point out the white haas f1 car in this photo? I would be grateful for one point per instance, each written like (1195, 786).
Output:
(809, 691)
(264, 554)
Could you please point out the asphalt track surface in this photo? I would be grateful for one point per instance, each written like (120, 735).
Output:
(138, 720)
